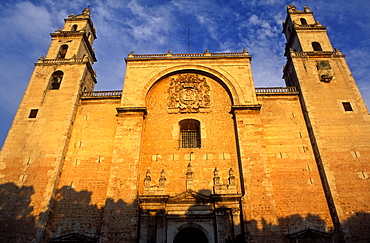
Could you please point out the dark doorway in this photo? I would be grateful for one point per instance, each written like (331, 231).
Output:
(192, 235)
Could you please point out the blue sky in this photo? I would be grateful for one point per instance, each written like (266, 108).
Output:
(155, 26)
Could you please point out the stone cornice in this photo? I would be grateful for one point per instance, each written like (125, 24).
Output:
(255, 107)
(72, 61)
(131, 110)
(170, 56)
(314, 54)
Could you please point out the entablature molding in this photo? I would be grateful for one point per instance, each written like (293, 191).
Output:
(72, 61)
(314, 54)
(189, 196)
(253, 107)
(131, 110)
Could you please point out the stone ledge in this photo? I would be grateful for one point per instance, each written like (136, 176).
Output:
(123, 110)
(255, 107)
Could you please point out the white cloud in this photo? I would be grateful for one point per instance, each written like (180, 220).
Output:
(25, 20)
(254, 19)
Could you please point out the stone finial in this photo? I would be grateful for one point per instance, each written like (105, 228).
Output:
(291, 8)
(189, 167)
(231, 172)
(147, 179)
(131, 54)
(215, 172)
(189, 173)
(86, 12)
(162, 179)
(306, 9)
(231, 177)
(169, 54)
(189, 178)
(337, 51)
(85, 57)
(216, 178)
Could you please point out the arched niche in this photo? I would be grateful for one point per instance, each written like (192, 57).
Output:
(191, 232)
(227, 81)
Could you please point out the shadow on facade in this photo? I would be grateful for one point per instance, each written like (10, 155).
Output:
(74, 218)
(310, 228)
(17, 223)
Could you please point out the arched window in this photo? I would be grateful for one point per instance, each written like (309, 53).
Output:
(56, 79)
(190, 133)
(190, 234)
(74, 27)
(62, 52)
(303, 21)
(316, 46)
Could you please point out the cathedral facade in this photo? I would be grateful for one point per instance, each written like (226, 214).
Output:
(189, 150)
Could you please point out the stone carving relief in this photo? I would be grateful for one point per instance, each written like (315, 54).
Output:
(325, 71)
(188, 93)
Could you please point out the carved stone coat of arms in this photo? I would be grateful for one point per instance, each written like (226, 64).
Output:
(188, 93)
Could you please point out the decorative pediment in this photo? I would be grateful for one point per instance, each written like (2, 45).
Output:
(309, 233)
(74, 237)
(189, 196)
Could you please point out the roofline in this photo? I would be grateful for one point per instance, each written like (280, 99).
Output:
(169, 55)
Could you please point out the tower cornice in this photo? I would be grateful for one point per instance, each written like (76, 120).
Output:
(72, 61)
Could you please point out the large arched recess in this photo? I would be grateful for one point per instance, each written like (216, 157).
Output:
(229, 83)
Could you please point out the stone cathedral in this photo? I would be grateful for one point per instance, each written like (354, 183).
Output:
(190, 150)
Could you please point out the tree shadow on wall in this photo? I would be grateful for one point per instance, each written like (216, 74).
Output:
(74, 217)
(17, 224)
(297, 228)
(72, 213)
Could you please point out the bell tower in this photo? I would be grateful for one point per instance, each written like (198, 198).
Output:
(34, 150)
(336, 117)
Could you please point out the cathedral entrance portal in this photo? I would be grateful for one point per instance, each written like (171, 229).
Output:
(190, 234)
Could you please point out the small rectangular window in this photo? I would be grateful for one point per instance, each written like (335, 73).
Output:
(190, 139)
(347, 106)
(190, 133)
(33, 113)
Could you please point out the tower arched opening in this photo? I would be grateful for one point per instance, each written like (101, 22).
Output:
(316, 46)
(62, 52)
(56, 79)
